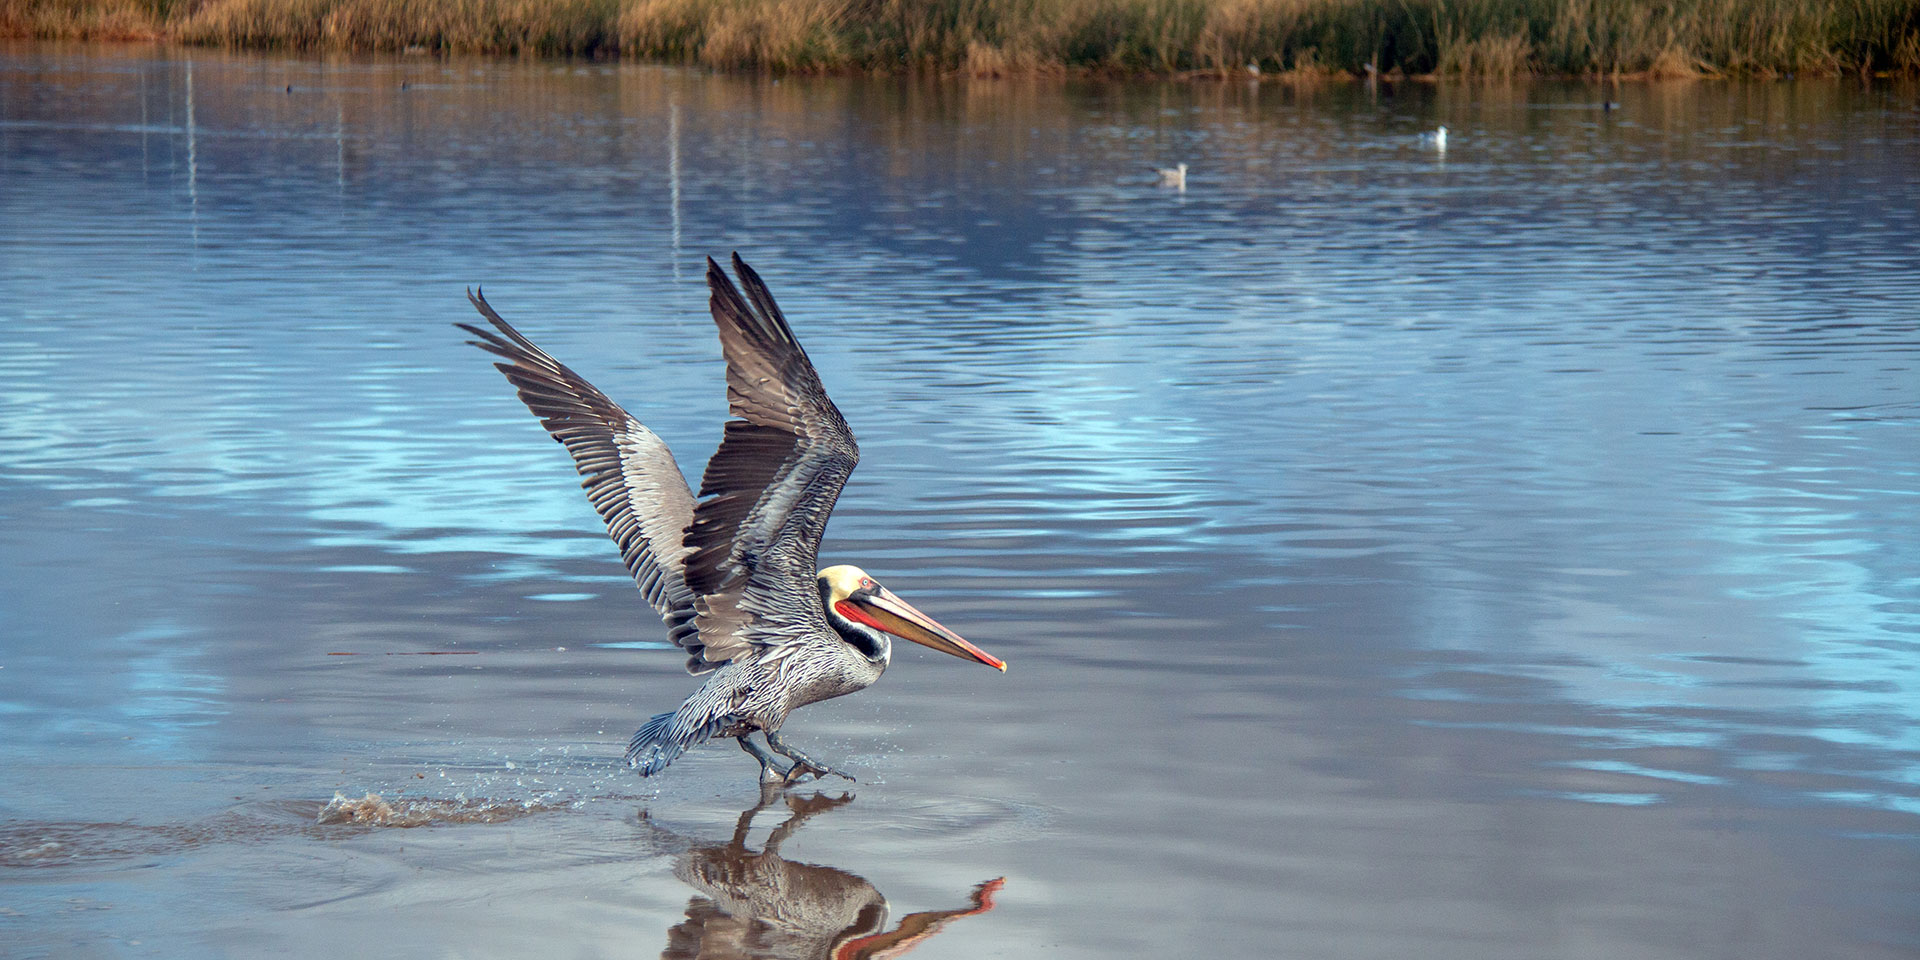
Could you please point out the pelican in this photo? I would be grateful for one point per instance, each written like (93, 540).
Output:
(1174, 176)
(733, 572)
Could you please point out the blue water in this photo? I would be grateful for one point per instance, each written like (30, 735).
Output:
(1504, 552)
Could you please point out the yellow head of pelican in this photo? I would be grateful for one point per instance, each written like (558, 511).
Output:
(854, 596)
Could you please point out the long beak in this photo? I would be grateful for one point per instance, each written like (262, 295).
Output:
(898, 617)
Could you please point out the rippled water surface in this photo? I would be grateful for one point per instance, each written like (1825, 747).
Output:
(1508, 552)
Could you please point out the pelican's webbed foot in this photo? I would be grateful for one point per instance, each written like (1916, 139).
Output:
(770, 769)
(802, 764)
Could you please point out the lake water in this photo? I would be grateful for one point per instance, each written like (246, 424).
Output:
(1504, 553)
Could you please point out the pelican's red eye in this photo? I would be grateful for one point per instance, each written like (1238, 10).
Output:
(867, 584)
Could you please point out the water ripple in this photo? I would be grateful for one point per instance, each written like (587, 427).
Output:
(1616, 407)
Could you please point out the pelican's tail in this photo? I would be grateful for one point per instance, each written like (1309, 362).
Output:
(661, 741)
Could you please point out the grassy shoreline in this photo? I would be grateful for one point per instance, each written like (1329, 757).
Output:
(1293, 39)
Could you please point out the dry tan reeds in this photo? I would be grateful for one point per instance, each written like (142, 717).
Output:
(1494, 55)
(49, 19)
(734, 34)
(1297, 40)
(465, 26)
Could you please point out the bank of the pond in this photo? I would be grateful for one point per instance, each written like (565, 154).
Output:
(1303, 39)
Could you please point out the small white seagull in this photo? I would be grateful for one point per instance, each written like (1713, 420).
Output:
(1174, 177)
(1437, 140)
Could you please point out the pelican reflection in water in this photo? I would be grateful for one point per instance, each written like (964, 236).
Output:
(733, 573)
(761, 906)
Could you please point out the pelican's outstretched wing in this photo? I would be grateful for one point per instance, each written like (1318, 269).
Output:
(630, 474)
(770, 487)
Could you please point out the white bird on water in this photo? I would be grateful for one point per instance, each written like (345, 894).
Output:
(1437, 140)
(1176, 176)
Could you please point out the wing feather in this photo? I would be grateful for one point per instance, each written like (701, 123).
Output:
(630, 476)
(770, 488)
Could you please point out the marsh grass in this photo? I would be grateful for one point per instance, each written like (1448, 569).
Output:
(464, 26)
(1297, 40)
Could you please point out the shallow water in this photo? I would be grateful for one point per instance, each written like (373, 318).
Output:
(1504, 553)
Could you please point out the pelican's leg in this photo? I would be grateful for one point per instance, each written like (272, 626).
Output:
(770, 769)
(802, 764)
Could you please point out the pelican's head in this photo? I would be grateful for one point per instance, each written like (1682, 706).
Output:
(854, 601)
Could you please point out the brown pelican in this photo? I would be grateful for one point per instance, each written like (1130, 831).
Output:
(762, 906)
(733, 573)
